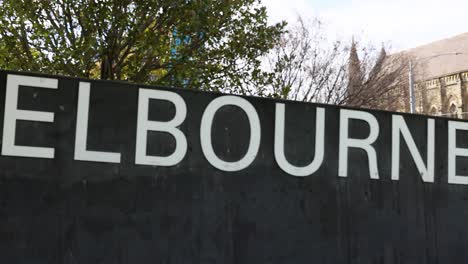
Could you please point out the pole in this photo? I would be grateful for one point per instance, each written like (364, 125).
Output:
(411, 89)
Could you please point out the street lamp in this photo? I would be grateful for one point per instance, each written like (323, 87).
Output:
(412, 99)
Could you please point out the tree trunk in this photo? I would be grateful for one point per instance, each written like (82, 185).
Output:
(106, 68)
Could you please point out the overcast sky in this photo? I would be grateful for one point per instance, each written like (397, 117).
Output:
(402, 23)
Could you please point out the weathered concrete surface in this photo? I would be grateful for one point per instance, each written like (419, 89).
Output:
(67, 211)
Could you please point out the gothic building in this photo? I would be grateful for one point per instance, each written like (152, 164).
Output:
(441, 77)
(374, 83)
(354, 71)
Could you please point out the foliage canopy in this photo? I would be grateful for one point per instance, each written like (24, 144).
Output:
(203, 44)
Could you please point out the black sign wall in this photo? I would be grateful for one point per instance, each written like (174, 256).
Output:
(112, 172)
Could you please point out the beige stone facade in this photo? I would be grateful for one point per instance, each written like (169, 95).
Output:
(445, 96)
(441, 77)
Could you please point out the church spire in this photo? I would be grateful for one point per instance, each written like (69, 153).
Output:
(382, 55)
(354, 70)
(379, 62)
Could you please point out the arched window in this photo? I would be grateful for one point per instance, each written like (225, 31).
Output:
(433, 111)
(453, 110)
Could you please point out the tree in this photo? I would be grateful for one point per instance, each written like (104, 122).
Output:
(202, 44)
(307, 66)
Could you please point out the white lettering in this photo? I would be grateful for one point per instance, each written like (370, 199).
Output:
(81, 153)
(205, 133)
(365, 144)
(144, 125)
(399, 127)
(12, 113)
(279, 143)
(454, 152)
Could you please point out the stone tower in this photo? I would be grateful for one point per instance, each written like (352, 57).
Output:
(354, 74)
(380, 61)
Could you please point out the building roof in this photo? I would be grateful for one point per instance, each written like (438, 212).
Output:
(429, 67)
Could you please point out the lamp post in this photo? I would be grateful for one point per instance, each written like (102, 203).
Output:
(412, 99)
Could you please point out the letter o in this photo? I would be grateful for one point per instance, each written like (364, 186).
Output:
(205, 133)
